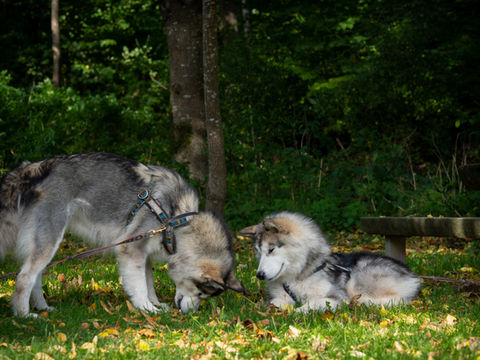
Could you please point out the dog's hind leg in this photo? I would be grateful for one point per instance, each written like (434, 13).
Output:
(38, 245)
(29, 284)
(37, 299)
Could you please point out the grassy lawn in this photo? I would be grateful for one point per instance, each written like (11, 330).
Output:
(94, 319)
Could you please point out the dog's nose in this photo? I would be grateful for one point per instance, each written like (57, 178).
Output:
(261, 275)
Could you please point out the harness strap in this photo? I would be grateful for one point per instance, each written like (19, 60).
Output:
(169, 224)
(289, 290)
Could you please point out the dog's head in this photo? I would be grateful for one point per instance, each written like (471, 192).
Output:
(203, 265)
(285, 243)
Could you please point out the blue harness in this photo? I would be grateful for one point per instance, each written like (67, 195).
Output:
(168, 223)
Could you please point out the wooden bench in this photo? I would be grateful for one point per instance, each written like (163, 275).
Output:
(397, 229)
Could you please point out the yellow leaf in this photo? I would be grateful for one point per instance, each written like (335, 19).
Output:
(327, 316)
(467, 269)
(383, 312)
(61, 337)
(288, 308)
(143, 345)
(384, 323)
(108, 332)
(425, 292)
(92, 307)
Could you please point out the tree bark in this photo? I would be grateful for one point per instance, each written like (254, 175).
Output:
(217, 172)
(55, 44)
(183, 23)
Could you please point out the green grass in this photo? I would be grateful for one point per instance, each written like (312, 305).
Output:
(93, 319)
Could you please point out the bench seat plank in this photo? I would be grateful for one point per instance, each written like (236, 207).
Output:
(458, 227)
(397, 229)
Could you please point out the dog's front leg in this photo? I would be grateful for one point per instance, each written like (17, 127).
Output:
(132, 268)
(278, 296)
(152, 296)
(319, 304)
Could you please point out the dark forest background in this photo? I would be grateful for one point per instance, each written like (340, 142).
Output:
(339, 109)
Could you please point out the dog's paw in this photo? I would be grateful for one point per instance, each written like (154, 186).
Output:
(47, 308)
(304, 309)
(280, 303)
(163, 307)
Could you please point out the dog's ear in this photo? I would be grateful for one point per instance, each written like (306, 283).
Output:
(249, 231)
(234, 284)
(272, 226)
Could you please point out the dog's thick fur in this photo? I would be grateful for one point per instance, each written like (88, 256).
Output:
(298, 264)
(91, 195)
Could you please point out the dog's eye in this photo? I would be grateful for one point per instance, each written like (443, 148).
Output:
(270, 250)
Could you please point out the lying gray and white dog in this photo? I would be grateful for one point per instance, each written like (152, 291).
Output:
(298, 265)
(104, 199)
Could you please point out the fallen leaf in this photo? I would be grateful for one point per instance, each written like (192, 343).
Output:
(130, 307)
(43, 356)
(60, 348)
(398, 347)
(293, 331)
(105, 307)
(327, 316)
(143, 345)
(61, 337)
(357, 354)
(450, 320)
(147, 333)
(108, 332)
(88, 346)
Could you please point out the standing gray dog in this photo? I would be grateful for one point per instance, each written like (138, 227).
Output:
(298, 265)
(105, 199)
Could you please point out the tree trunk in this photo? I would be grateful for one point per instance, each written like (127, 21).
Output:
(183, 23)
(55, 44)
(217, 172)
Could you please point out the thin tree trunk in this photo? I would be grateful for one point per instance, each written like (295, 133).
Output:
(217, 172)
(183, 23)
(55, 44)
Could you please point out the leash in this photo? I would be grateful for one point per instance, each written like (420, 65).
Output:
(443, 279)
(145, 235)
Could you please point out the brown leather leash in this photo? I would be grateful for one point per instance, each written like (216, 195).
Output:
(138, 237)
(443, 279)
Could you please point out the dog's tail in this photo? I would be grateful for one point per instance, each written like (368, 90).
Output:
(17, 185)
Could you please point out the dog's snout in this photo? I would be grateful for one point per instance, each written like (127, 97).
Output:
(261, 275)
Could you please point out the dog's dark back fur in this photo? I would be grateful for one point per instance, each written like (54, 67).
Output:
(22, 179)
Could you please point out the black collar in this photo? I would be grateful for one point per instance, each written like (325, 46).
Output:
(320, 267)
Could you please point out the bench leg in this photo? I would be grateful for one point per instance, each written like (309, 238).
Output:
(395, 247)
